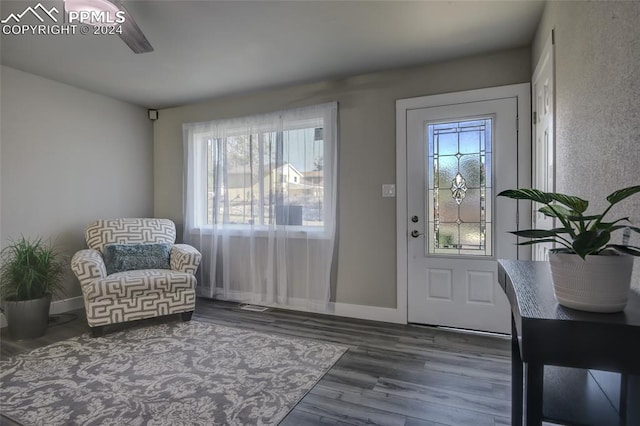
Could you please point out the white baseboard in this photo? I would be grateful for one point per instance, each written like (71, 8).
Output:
(57, 307)
(66, 305)
(366, 312)
(373, 313)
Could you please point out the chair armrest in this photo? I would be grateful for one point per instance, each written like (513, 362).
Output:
(185, 258)
(88, 266)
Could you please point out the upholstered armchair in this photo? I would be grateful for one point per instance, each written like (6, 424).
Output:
(133, 270)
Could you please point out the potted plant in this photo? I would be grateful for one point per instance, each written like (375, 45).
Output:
(589, 272)
(31, 272)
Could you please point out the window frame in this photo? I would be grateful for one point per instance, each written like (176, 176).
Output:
(308, 120)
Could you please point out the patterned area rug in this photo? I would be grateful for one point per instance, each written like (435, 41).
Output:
(170, 374)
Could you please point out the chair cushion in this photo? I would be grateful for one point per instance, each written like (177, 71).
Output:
(135, 284)
(128, 257)
(129, 231)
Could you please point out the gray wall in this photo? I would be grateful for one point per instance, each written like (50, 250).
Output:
(69, 157)
(367, 240)
(597, 100)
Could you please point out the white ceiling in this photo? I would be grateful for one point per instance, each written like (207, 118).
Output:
(205, 49)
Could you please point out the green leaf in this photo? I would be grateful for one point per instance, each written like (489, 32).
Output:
(621, 194)
(531, 242)
(555, 211)
(559, 231)
(591, 241)
(30, 269)
(632, 250)
(613, 228)
(576, 204)
(527, 194)
(580, 217)
(606, 225)
(536, 233)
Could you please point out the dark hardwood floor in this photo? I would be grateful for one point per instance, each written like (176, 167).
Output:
(391, 375)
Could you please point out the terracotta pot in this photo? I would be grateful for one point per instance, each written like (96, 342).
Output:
(598, 284)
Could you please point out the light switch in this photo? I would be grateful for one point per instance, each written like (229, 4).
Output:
(389, 190)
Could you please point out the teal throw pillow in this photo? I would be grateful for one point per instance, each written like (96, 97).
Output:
(127, 257)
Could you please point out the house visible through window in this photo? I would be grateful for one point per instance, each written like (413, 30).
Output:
(263, 170)
(256, 178)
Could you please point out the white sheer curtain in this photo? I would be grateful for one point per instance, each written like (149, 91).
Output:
(260, 205)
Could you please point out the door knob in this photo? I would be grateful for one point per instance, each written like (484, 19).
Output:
(415, 233)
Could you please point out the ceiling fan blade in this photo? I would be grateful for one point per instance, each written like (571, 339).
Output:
(131, 34)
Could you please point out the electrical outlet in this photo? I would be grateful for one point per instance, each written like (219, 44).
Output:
(389, 190)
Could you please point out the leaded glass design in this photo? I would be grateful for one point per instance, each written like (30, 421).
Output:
(459, 187)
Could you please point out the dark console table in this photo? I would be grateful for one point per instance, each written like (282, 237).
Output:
(547, 334)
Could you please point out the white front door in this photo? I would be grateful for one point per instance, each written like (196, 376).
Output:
(459, 156)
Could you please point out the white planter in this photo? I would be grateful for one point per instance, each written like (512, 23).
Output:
(597, 284)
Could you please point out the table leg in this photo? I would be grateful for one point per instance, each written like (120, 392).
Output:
(624, 388)
(516, 377)
(534, 385)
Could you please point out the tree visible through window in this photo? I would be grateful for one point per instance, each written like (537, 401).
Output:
(273, 169)
(260, 205)
(259, 178)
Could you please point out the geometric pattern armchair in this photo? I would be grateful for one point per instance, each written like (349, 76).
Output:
(134, 294)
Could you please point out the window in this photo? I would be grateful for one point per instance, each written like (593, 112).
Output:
(273, 169)
(459, 176)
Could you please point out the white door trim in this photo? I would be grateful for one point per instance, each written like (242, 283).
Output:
(543, 149)
(523, 94)
(547, 59)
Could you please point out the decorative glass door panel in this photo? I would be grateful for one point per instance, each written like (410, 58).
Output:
(459, 189)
